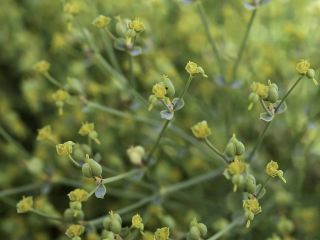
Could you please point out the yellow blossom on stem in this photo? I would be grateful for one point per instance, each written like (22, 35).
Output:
(236, 167)
(162, 234)
(45, 133)
(87, 129)
(75, 230)
(137, 222)
(101, 21)
(64, 149)
(42, 67)
(251, 207)
(25, 205)
(137, 25)
(72, 8)
(60, 97)
(201, 130)
(159, 90)
(302, 67)
(78, 195)
(272, 169)
(192, 68)
(260, 89)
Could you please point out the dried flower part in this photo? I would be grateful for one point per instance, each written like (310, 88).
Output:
(136, 154)
(192, 68)
(64, 149)
(25, 205)
(136, 25)
(78, 195)
(42, 67)
(260, 89)
(302, 67)
(72, 8)
(252, 205)
(101, 21)
(201, 130)
(236, 167)
(162, 234)
(137, 222)
(272, 169)
(159, 90)
(75, 230)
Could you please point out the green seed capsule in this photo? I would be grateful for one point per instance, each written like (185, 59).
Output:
(250, 184)
(68, 214)
(169, 86)
(253, 97)
(75, 205)
(86, 170)
(203, 229)
(194, 233)
(230, 149)
(115, 226)
(121, 28)
(96, 168)
(311, 73)
(239, 148)
(273, 94)
(107, 235)
(106, 222)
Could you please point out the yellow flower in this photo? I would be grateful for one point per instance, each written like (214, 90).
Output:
(136, 154)
(86, 128)
(272, 170)
(42, 67)
(260, 89)
(60, 96)
(78, 195)
(201, 130)
(72, 8)
(192, 68)
(137, 222)
(159, 90)
(303, 67)
(64, 149)
(75, 230)
(162, 234)
(45, 133)
(252, 205)
(136, 25)
(25, 205)
(236, 167)
(101, 21)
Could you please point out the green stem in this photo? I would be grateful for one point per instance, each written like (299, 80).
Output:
(164, 127)
(225, 230)
(263, 186)
(110, 51)
(288, 92)
(243, 45)
(44, 215)
(212, 43)
(122, 176)
(131, 75)
(21, 189)
(212, 147)
(74, 161)
(53, 80)
(185, 89)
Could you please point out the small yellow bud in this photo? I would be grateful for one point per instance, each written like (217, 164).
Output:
(78, 195)
(75, 230)
(42, 67)
(159, 90)
(192, 68)
(272, 169)
(236, 167)
(137, 25)
(303, 67)
(136, 154)
(201, 130)
(72, 8)
(101, 21)
(25, 205)
(252, 205)
(162, 234)
(87, 129)
(260, 89)
(137, 222)
(65, 149)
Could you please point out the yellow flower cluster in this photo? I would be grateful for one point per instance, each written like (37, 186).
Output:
(236, 167)
(162, 234)
(260, 89)
(303, 66)
(72, 8)
(42, 67)
(272, 169)
(78, 195)
(159, 90)
(25, 205)
(192, 68)
(64, 149)
(201, 130)
(60, 96)
(101, 21)
(45, 133)
(252, 205)
(137, 25)
(75, 230)
(137, 222)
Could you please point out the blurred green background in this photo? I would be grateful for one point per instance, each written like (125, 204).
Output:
(282, 33)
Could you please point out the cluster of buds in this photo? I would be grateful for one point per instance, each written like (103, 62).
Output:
(112, 225)
(74, 212)
(251, 207)
(197, 231)
(91, 168)
(234, 147)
